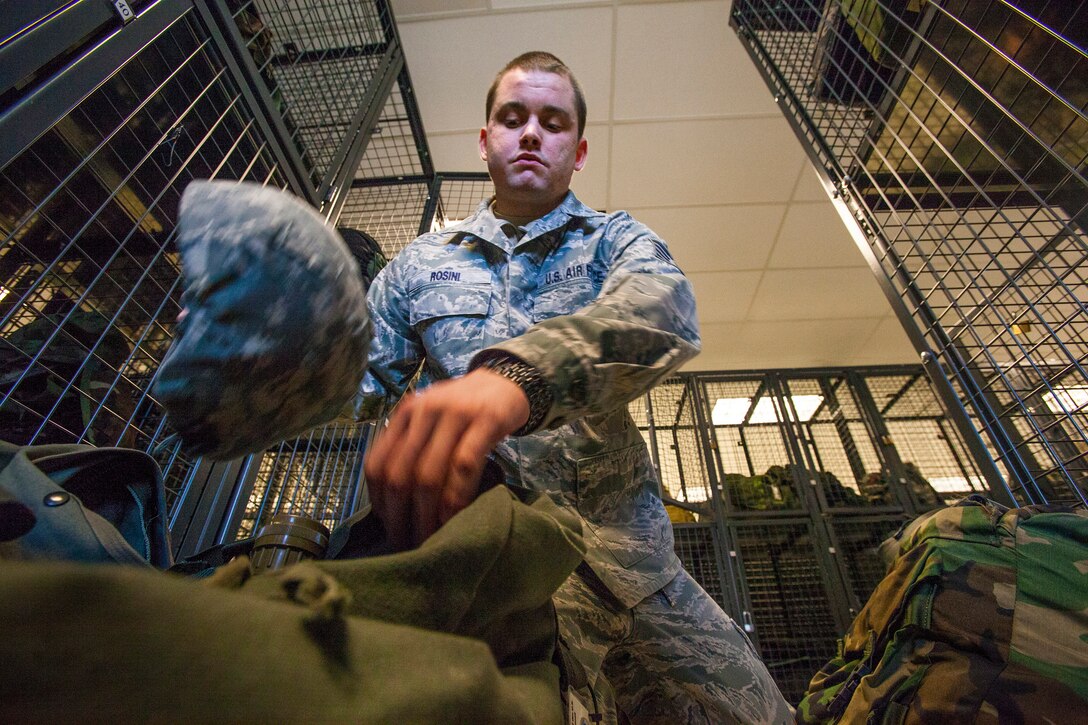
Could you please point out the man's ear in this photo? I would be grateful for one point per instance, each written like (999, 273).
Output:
(483, 144)
(580, 154)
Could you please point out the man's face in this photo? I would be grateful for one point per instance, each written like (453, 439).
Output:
(531, 142)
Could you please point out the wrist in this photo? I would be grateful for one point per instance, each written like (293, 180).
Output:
(530, 381)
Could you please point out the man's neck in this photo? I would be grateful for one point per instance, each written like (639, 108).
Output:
(521, 214)
(517, 221)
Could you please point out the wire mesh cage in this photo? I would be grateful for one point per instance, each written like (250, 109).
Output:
(390, 213)
(397, 148)
(792, 599)
(90, 279)
(315, 62)
(699, 550)
(667, 418)
(116, 125)
(460, 195)
(779, 436)
(316, 476)
(934, 458)
(955, 136)
(857, 541)
(752, 450)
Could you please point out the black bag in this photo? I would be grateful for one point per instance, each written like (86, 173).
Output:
(367, 252)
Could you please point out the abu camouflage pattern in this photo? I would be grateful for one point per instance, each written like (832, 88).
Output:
(593, 302)
(276, 334)
(681, 659)
(982, 618)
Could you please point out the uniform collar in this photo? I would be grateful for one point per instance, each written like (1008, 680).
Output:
(483, 224)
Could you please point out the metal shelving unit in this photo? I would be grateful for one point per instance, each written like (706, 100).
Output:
(782, 484)
(952, 137)
(107, 114)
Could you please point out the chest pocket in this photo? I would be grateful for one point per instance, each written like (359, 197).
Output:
(449, 316)
(563, 298)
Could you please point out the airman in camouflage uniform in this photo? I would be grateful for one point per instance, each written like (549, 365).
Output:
(584, 311)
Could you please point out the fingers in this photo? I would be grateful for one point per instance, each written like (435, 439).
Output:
(388, 472)
(426, 465)
(466, 465)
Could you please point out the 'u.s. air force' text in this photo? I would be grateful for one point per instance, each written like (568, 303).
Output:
(571, 272)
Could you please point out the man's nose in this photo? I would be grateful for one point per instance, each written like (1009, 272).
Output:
(530, 134)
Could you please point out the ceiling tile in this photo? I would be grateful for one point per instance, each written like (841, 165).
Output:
(456, 151)
(716, 238)
(785, 344)
(406, 9)
(723, 296)
(809, 187)
(718, 349)
(591, 183)
(658, 75)
(813, 235)
(888, 345)
(728, 161)
(818, 294)
(453, 61)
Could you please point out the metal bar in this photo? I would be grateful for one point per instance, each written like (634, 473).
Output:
(334, 188)
(24, 122)
(44, 41)
(415, 122)
(367, 50)
(838, 421)
(873, 420)
(224, 32)
(727, 566)
(430, 208)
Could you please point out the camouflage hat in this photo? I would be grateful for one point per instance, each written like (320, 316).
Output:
(276, 334)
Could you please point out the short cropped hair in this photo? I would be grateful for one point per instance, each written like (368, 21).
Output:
(540, 60)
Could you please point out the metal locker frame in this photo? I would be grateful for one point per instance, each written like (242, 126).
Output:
(950, 138)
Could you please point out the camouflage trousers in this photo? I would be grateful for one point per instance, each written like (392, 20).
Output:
(675, 657)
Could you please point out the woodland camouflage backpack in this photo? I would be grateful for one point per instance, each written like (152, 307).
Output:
(982, 618)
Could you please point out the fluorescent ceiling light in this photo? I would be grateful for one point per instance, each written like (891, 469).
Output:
(1067, 400)
(731, 411)
(693, 494)
(956, 484)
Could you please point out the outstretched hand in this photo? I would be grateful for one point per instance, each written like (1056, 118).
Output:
(425, 465)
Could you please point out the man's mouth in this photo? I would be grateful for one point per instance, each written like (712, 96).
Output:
(529, 158)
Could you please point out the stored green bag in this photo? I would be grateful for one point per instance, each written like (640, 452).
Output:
(459, 630)
(982, 617)
(766, 492)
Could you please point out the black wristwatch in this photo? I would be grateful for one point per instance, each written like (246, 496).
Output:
(531, 382)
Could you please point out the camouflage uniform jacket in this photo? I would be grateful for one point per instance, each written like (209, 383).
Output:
(597, 305)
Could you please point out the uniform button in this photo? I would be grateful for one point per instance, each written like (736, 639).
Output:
(57, 498)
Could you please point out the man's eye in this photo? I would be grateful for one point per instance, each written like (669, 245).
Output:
(510, 123)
